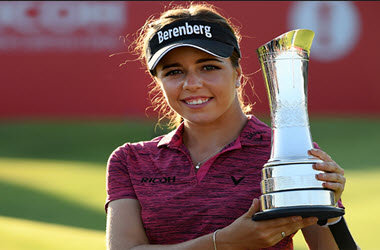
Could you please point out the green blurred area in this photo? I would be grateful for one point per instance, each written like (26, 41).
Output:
(350, 141)
(86, 141)
(52, 176)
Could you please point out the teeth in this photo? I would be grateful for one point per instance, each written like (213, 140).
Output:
(195, 102)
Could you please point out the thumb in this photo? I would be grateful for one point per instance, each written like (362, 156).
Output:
(255, 207)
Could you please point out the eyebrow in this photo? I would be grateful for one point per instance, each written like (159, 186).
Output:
(202, 60)
(170, 65)
(208, 59)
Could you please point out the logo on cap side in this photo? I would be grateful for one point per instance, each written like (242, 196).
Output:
(184, 30)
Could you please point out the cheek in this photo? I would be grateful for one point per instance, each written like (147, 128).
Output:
(227, 90)
(171, 92)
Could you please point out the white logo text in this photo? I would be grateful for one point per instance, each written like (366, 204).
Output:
(184, 30)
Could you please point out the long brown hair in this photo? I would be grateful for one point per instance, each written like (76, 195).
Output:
(197, 11)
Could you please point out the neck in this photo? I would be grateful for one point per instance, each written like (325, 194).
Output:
(212, 136)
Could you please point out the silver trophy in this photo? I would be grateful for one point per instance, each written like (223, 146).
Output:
(288, 185)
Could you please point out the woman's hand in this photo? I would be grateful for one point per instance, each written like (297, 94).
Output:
(333, 177)
(244, 233)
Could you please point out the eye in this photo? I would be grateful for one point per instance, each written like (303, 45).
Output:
(173, 72)
(210, 67)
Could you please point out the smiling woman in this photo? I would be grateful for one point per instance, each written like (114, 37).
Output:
(175, 28)
(193, 187)
(200, 87)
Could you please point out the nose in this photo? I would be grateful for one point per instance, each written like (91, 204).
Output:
(192, 81)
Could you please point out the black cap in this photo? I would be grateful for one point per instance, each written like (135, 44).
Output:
(209, 37)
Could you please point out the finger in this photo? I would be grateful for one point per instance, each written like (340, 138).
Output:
(255, 207)
(337, 187)
(284, 221)
(294, 227)
(331, 167)
(331, 177)
(320, 154)
(305, 222)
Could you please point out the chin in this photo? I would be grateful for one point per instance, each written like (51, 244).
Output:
(201, 119)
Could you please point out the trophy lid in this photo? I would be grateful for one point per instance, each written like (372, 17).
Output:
(299, 39)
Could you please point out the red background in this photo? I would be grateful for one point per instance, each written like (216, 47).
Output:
(90, 84)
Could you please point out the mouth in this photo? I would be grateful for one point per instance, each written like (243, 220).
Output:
(197, 101)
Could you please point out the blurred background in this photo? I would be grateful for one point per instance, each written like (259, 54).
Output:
(66, 104)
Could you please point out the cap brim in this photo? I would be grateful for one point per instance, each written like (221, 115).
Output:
(215, 48)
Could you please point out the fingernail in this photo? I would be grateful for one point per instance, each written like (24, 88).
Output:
(319, 176)
(297, 218)
(313, 220)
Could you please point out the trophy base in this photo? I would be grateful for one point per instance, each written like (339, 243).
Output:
(321, 212)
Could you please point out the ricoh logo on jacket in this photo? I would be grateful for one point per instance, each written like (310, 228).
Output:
(184, 30)
(158, 179)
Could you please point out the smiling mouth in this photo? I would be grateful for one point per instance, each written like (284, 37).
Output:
(197, 101)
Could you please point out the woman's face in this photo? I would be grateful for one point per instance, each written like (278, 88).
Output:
(198, 86)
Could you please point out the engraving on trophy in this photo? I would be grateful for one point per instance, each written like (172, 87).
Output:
(289, 114)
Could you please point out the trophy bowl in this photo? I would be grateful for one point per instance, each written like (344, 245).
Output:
(288, 185)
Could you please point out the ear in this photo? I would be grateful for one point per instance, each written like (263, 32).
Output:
(238, 76)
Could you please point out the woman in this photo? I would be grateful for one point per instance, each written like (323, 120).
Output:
(193, 188)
